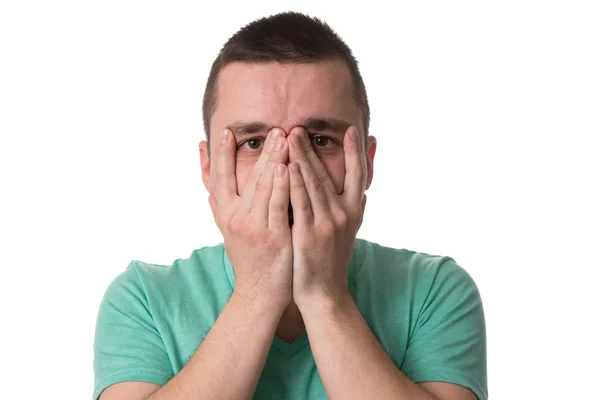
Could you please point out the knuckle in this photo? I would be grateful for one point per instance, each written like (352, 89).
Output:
(322, 175)
(305, 144)
(219, 176)
(316, 184)
(270, 164)
(249, 233)
(261, 185)
(234, 224)
(342, 220)
(301, 154)
(304, 207)
(296, 182)
(252, 236)
(304, 154)
(270, 242)
(359, 173)
(278, 207)
(279, 185)
(327, 228)
(272, 153)
(251, 179)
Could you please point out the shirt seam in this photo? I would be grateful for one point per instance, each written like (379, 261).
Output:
(449, 375)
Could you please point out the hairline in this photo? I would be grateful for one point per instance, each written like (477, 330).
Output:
(213, 100)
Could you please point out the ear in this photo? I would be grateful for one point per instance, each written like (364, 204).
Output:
(205, 165)
(371, 149)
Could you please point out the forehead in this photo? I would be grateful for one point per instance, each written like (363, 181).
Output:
(283, 95)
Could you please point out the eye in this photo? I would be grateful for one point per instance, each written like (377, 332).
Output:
(252, 144)
(320, 141)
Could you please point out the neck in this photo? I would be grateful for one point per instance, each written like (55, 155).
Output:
(291, 325)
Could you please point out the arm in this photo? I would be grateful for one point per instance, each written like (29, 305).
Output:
(351, 362)
(228, 362)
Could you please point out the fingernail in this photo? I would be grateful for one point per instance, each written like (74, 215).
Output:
(294, 168)
(279, 143)
(224, 136)
(275, 133)
(352, 133)
(280, 170)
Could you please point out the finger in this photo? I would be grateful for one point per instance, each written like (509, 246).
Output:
(362, 213)
(354, 181)
(301, 204)
(318, 184)
(280, 200)
(253, 178)
(264, 185)
(214, 208)
(225, 184)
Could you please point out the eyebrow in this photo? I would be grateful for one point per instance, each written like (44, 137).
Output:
(332, 125)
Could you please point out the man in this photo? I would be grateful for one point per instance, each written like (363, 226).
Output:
(292, 305)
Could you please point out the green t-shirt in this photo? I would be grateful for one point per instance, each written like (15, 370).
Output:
(425, 311)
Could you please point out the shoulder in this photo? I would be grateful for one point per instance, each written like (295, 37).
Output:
(148, 281)
(374, 258)
(202, 262)
(427, 312)
(399, 271)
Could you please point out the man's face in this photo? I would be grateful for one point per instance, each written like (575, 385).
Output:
(252, 99)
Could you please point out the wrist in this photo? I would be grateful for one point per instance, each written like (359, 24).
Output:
(263, 305)
(324, 303)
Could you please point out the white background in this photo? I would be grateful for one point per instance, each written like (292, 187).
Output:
(487, 117)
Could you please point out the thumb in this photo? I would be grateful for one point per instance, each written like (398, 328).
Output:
(214, 207)
(363, 206)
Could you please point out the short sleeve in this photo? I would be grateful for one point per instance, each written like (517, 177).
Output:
(449, 340)
(127, 344)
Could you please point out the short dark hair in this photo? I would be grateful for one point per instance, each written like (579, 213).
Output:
(288, 37)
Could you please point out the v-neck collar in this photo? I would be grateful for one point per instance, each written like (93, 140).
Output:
(290, 349)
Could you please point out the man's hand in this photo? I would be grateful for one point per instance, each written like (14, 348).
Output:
(325, 223)
(255, 224)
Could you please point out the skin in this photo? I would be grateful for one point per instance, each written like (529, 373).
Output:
(332, 173)
(284, 97)
(295, 274)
